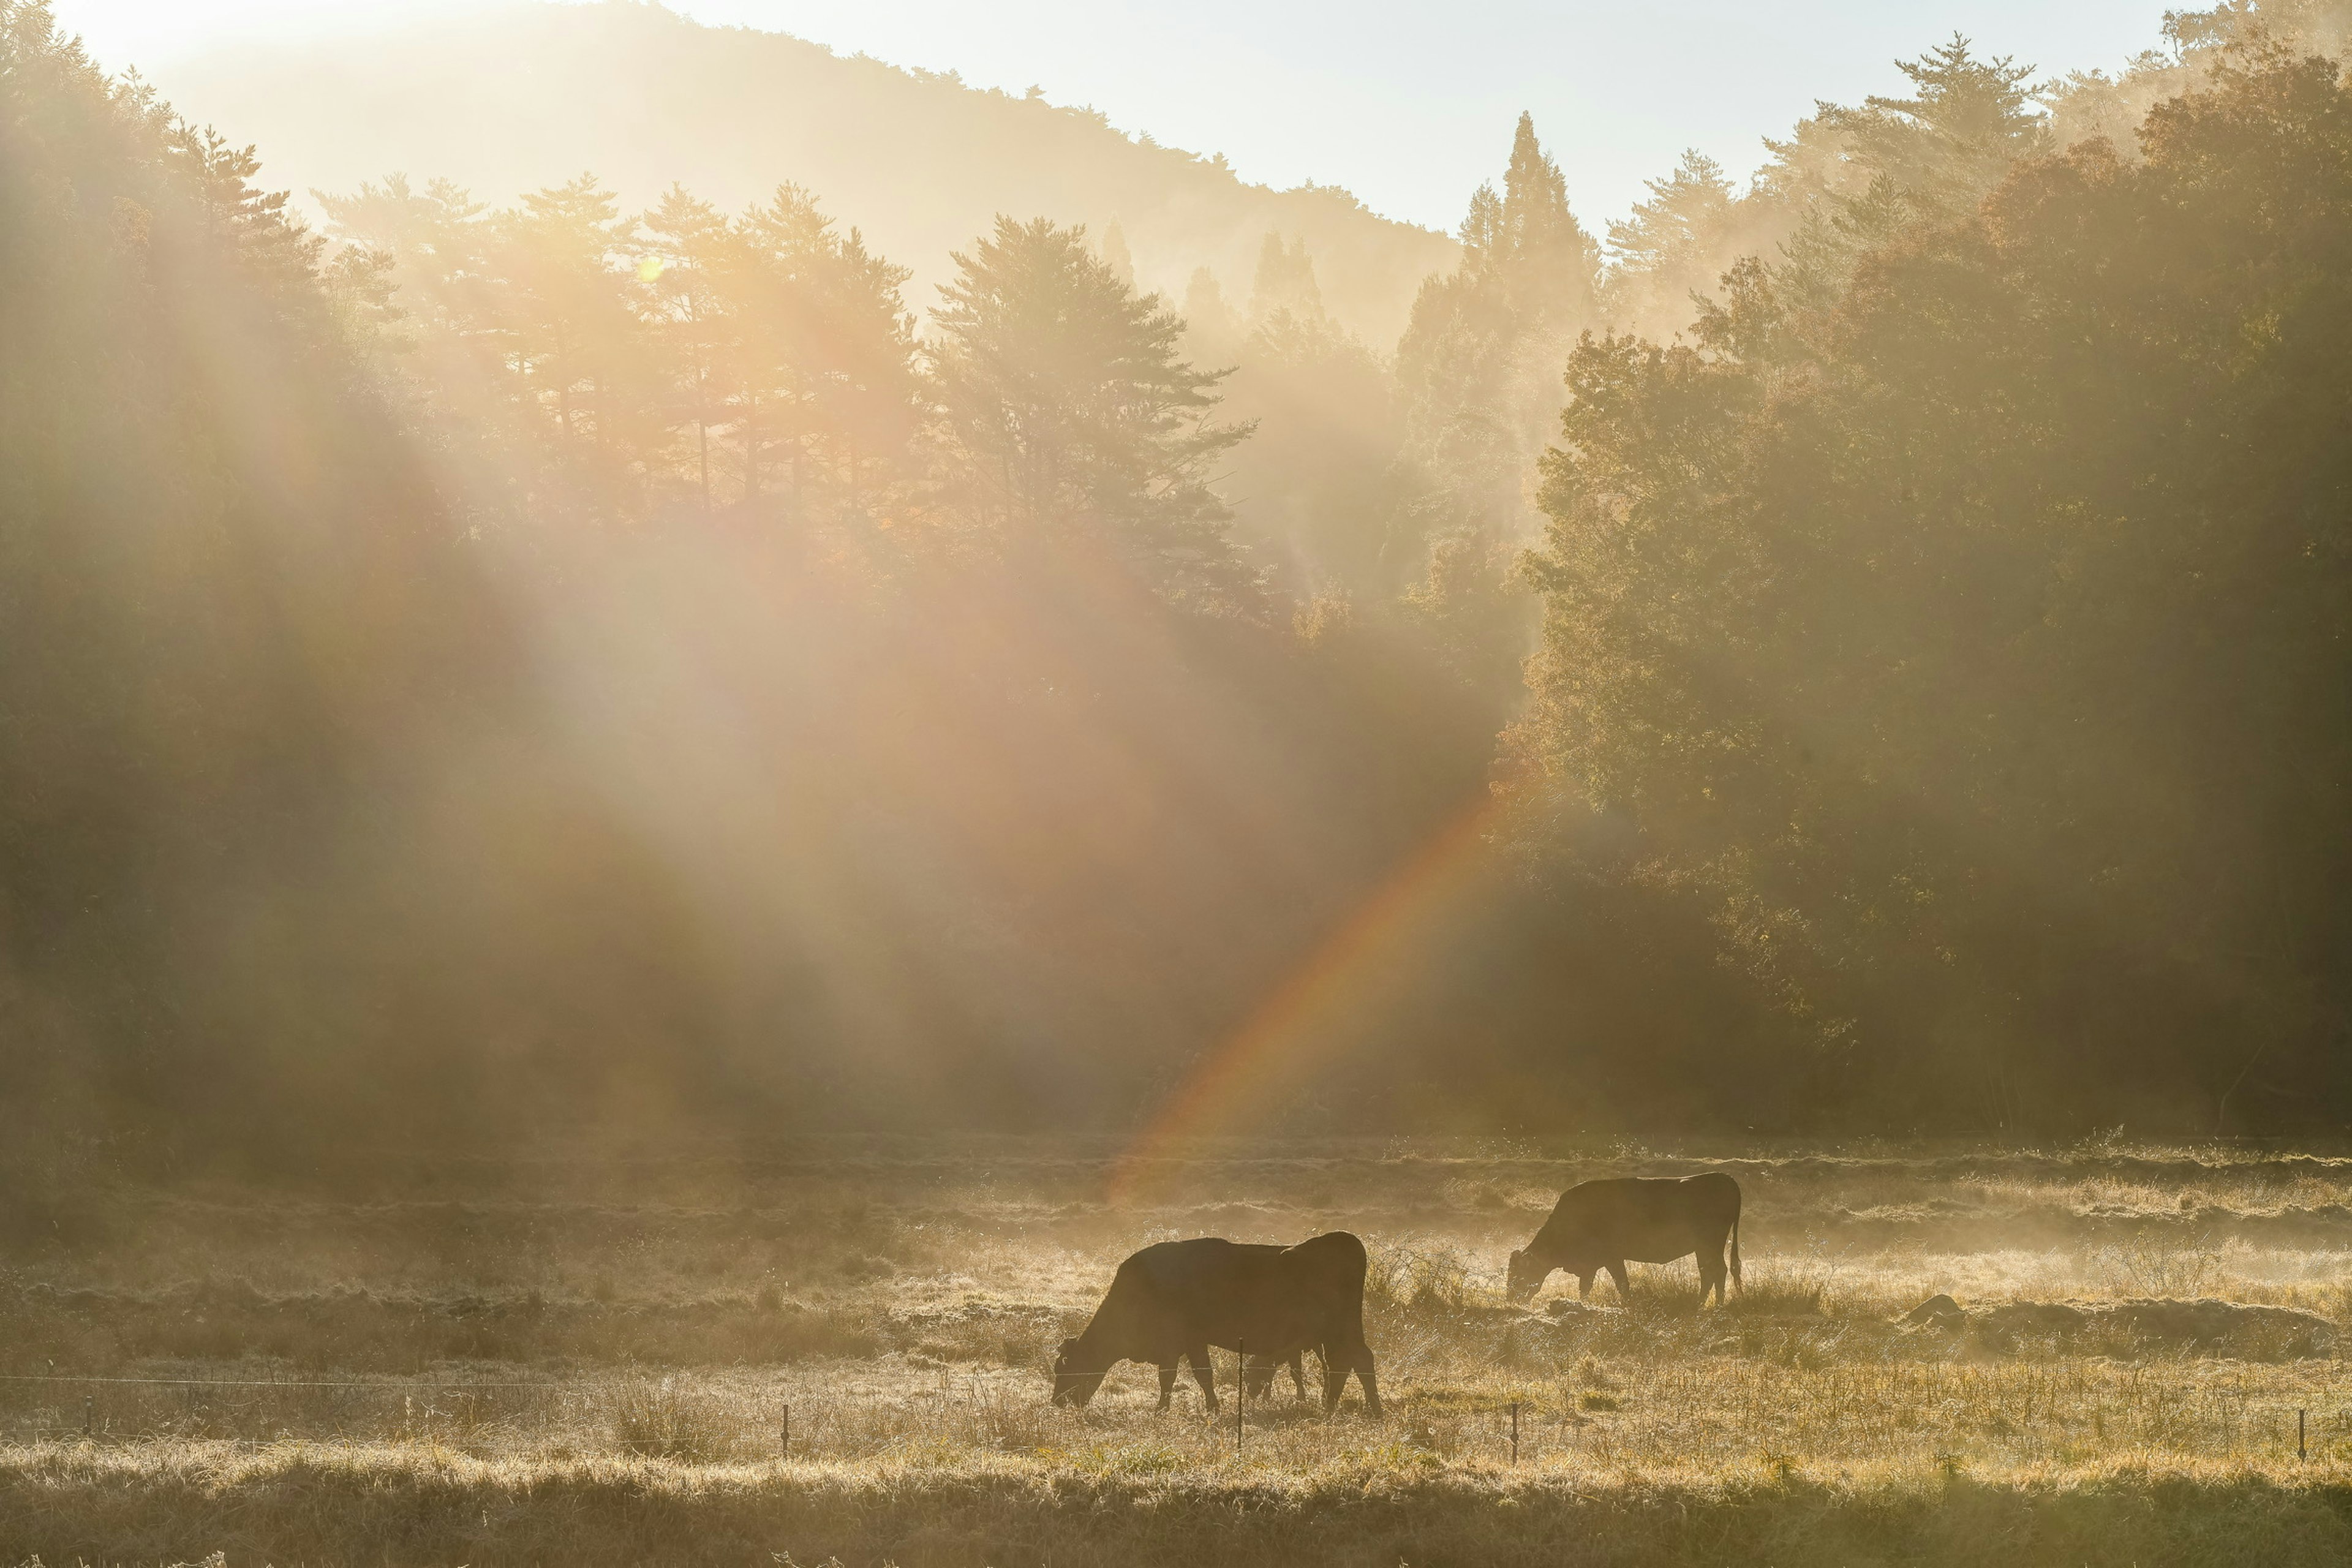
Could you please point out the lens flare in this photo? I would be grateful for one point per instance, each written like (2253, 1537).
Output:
(1310, 1018)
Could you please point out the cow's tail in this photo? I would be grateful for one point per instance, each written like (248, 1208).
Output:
(1735, 1251)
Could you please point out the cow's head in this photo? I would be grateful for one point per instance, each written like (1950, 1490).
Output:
(1074, 1378)
(1526, 1276)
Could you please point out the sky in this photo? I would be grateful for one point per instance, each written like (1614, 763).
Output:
(1408, 105)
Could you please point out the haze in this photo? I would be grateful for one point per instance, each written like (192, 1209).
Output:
(750, 758)
(1403, 104)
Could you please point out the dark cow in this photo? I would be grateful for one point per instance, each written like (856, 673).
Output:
(1607, 1224)
(1171, 1303)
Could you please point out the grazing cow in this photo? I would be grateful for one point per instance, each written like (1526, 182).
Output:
(1606, 1224)
(1171, 1302)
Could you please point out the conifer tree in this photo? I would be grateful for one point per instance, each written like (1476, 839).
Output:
(1212, 331)
(1548, 261)
(691, 254)
(1968, 119)
(1116, 255)
(445, 339)
(433, 239)
(1285, 281)
(1073, 422)
(1479, 371)
(1670, 244)
(570, 316)
(1481, 360)
(1315, 474)
(829, 385)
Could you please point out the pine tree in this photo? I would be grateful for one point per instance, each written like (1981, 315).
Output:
(692, 251)
(1212, 331)
(1115, 254)
(1480, 362)
(570, 316)
(828, 382)
(1546, 259)
(433, 241)
(1679, 225)
(1285, 281)
(1073, 422)
(1934, 155)
(1967, 122)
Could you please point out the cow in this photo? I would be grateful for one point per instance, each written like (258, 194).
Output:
(1171, 1302)
(1608, 1224)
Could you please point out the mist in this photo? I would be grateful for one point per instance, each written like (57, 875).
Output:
(987, 628)
(737, 783)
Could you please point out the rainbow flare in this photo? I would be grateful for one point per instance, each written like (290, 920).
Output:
(1302, 1024)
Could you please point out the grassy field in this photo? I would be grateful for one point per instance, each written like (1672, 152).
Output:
(576, 1361)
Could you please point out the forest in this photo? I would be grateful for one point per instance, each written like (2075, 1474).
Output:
(1859, 652)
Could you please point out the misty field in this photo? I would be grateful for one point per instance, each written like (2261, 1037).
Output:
(596, 1361)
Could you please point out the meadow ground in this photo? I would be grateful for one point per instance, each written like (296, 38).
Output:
(573, 1361)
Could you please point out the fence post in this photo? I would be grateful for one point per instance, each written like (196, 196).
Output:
(87, 1402)
(1241, 1391)
(784, 1439)
(1514, 1431)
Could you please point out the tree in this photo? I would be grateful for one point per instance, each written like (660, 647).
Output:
(239, 640)
(1959, 628)
(1479, 365)
(691, 253)
(569, 313)
(1115, 256)
(1968, 120)
(1212, 332)
(1672, 245)
(1285, 281)
(828, 381)
(1073, 422)
(1323, 408)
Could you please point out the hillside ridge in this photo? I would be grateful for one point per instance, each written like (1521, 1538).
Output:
(522, 96)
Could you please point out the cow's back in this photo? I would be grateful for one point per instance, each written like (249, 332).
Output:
(1184, 1276)
(1633, 1217)
(1210, 1291)
(1326, 1273)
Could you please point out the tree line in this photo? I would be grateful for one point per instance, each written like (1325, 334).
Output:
(549, 667)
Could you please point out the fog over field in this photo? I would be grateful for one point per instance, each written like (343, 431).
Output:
(690, 726)
(843, 1350)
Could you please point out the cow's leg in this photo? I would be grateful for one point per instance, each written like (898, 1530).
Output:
(1371, 1380)
(1167, 1384)
(1341, 1357)
(1298, 1371)
(1710, 1274)
(1205, 1375)
(1583, 1286)
(1617, 1272)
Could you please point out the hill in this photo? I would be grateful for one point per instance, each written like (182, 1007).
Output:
(518, 97)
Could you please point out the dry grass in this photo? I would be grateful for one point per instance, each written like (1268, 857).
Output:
(308, 1503)
(661, 1319)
